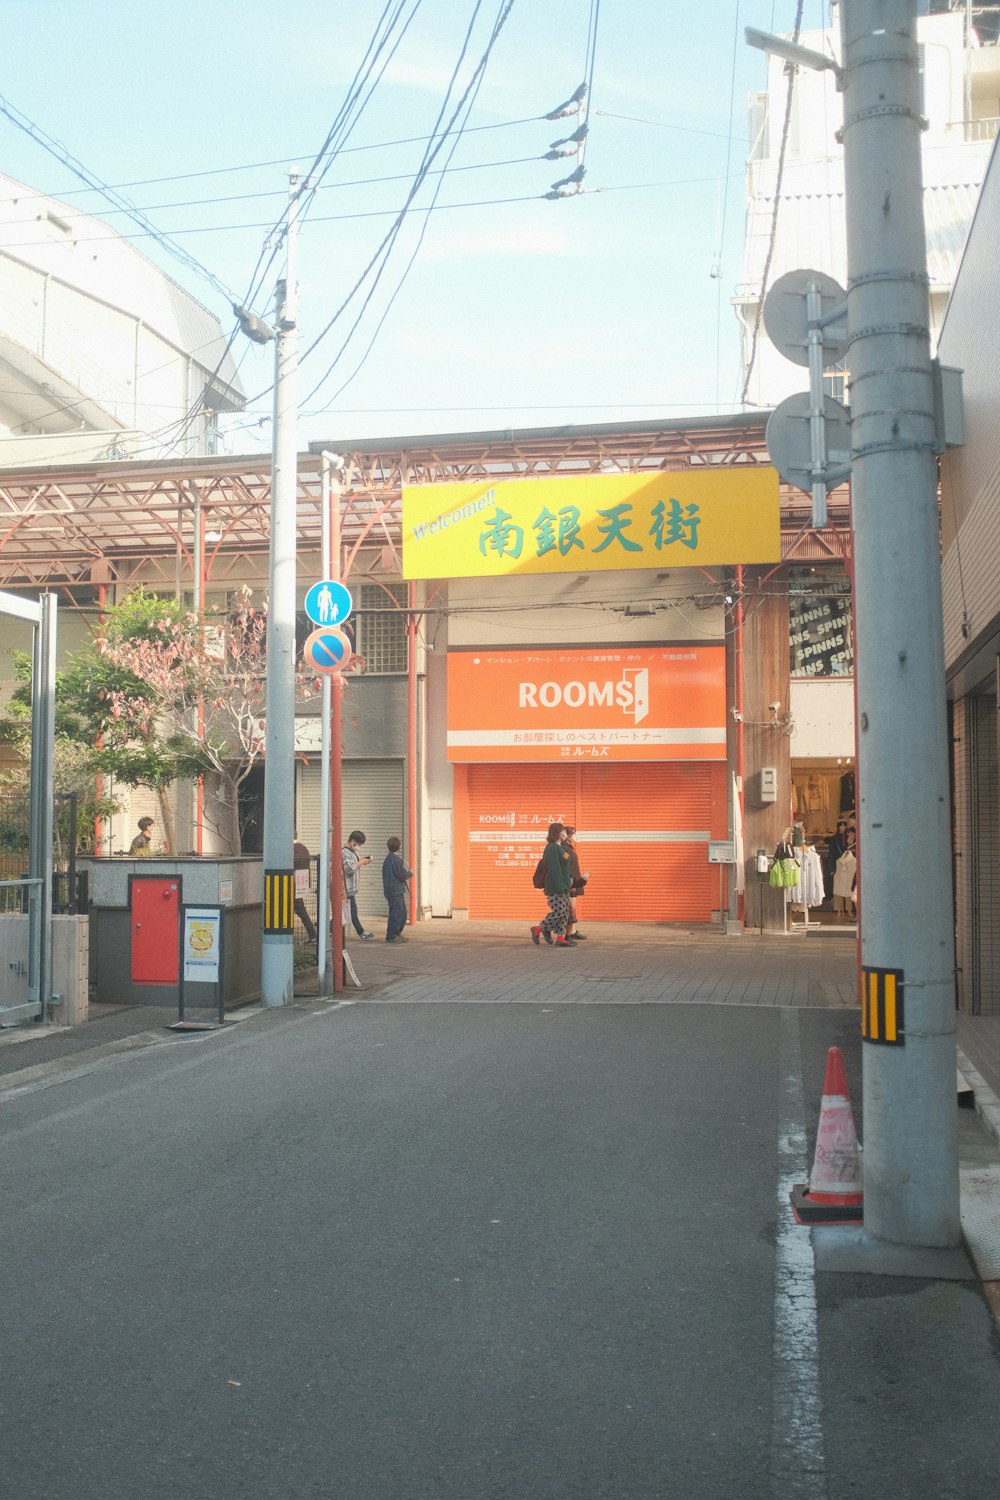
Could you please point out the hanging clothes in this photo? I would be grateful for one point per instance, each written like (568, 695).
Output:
(809, 891)
(844, 877)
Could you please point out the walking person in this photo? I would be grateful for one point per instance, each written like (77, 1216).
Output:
(558, 883)
(394, 878)
(576, 889)
(302, 866)
(352, 861)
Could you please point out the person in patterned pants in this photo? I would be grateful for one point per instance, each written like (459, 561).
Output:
(558, 880)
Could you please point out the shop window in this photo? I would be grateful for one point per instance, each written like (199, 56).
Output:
(819, 618)
(380, 613)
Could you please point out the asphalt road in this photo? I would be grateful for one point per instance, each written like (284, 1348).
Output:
(393, 1252)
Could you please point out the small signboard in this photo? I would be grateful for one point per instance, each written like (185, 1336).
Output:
(721, 852)
(201, 962)
(329, 602)
(202, 925)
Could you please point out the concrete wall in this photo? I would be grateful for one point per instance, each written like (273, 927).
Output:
(70, 969)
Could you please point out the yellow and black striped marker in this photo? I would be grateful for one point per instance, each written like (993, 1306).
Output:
(882, 1006)
(279, 900)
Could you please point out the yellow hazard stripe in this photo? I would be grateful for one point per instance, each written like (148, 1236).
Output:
(279, 900)
(882, 1006)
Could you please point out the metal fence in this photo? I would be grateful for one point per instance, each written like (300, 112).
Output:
(68, 883)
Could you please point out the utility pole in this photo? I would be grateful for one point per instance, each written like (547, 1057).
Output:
(277, 958)
(907, 936)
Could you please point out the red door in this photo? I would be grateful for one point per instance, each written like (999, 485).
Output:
(155, 929)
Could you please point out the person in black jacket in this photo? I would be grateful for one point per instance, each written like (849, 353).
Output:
(394, 878)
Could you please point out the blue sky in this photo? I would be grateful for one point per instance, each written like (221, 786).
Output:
(599, 307)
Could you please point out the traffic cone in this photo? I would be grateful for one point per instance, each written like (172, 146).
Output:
(833, 1194)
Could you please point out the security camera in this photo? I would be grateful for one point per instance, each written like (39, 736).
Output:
(774, 707)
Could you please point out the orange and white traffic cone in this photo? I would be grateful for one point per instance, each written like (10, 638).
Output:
(833, 1194)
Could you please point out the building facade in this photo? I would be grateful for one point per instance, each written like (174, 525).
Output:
(970, 539)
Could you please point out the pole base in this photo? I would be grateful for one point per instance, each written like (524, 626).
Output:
(809, 1210)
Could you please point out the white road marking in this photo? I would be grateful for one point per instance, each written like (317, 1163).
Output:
(798, 1465)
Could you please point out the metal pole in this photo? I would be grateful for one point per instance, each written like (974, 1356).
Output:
(327, 850)
(198, 599)
(336, 878)
(277, 960)
(43, 714)
(411, 744)
(817, 406)
(910, 1128)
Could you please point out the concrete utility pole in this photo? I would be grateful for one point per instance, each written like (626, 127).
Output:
(907, 953)
(277, 958)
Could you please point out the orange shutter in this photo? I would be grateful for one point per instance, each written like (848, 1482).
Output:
(643, 836)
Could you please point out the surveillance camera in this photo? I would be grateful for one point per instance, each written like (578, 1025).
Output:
(774, 707)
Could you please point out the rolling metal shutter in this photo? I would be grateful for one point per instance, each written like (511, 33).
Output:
(373, 799)
(643, 834)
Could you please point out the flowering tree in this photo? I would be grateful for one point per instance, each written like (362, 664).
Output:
(167, 695)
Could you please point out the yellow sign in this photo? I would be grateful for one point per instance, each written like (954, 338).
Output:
(694, 518)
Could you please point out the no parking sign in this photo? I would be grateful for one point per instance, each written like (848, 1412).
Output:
(327, 650)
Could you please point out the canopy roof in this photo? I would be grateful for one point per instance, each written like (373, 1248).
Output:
(95, 523)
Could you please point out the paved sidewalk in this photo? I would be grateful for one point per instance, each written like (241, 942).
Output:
(617, 963)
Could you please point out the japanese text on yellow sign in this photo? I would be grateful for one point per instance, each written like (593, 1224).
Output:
(604, 521)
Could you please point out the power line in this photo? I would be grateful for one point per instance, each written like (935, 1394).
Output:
(381, 213)
(513, 161)
(287, 161)
(62, 154)
(774, 216)
(465, 104)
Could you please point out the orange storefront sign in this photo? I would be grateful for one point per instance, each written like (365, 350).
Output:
(632, 703)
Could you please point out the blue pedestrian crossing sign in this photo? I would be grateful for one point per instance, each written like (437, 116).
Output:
(329, 602)
(326, 650)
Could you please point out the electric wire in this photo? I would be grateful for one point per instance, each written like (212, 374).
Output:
(355, 182)
(792, 74)
(282, 161)
(274, 239)
(388, 241)
(381, 213)
(725, 203)
(466, 104)
(62, 154)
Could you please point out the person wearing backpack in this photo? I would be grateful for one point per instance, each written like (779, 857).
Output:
(558, 876)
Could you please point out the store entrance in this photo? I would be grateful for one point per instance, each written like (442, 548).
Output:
(824, 794)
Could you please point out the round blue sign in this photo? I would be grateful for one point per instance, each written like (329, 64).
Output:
(327, 650)
(329, 602)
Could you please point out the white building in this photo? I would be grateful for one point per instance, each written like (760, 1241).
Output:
(796, 221)
(961, 104)
(102, 354)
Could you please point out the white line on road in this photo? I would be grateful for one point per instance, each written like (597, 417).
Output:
(798, 1466)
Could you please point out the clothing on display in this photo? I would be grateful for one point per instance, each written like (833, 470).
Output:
(809, 891)
(844, 878)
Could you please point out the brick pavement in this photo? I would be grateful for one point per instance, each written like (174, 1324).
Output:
(619, 963)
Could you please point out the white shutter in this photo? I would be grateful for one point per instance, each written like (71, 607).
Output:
(373, 799)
